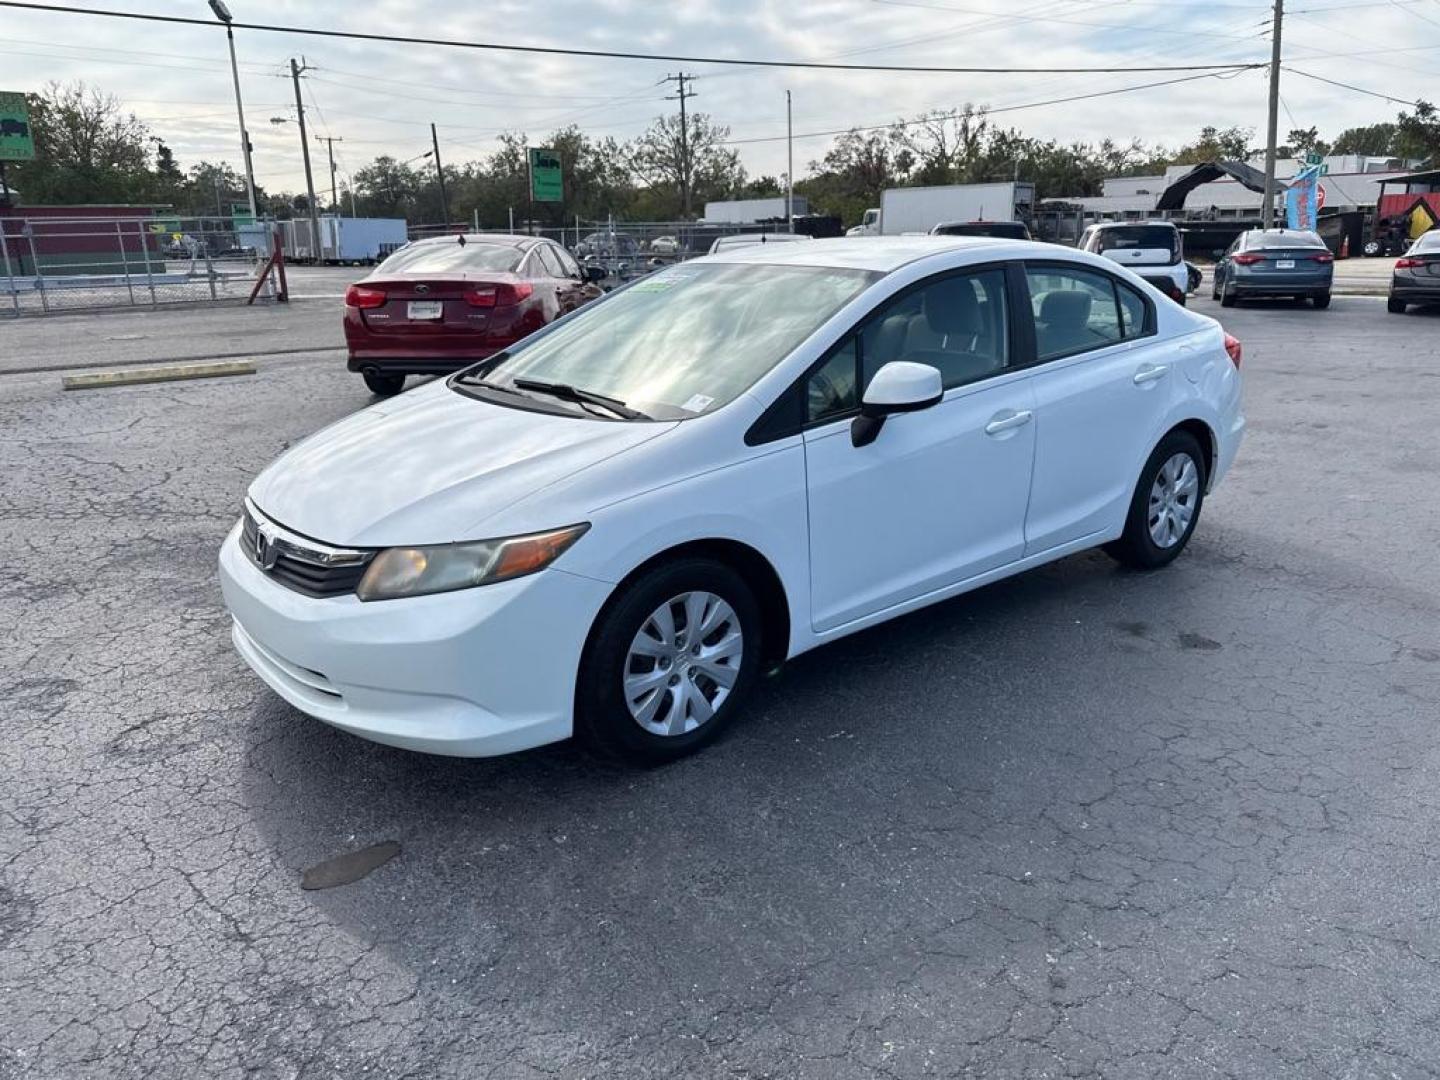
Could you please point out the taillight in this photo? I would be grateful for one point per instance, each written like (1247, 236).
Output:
(1408, 264)
(1234, 349)
(498, 295)
(1247, 259)
(1323, 257)
(358, 296)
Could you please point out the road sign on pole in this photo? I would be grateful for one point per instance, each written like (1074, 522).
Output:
(546, 183)
(17, 140)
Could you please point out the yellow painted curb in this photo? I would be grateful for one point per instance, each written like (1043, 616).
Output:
(168, 373)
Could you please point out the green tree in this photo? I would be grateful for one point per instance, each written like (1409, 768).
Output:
(1370, 139)
(1417, 134)
(694, 168)
(87, 148)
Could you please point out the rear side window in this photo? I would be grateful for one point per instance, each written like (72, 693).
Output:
(567, 263)
(1075, 310)
(1150, 237)
(1132, 310)
(450, 257)
(549, 261)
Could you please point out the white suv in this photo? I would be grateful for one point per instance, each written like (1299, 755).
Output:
(1152, 249)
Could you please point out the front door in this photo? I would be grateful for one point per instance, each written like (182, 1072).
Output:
(940, 495)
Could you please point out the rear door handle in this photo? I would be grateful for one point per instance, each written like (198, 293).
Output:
(1151, 372)
(1008, 420)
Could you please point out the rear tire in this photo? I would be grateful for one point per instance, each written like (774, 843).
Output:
(1395, 306)
(1321, 300)
(383, 385)
(642, 676)
(1228, 298)
(1166, 505)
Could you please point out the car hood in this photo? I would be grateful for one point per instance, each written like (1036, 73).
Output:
(430, 468)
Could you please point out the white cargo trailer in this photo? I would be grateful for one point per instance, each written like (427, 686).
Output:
(920, 209)
(344, 239)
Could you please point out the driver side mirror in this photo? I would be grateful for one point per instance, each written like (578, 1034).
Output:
(898, 387)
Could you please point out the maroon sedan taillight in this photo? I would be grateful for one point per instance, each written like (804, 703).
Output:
(358, 296)
(498, 295)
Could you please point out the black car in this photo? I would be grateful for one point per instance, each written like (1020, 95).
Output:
(1275, 262)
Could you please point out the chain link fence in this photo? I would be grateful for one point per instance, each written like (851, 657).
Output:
(55, 263)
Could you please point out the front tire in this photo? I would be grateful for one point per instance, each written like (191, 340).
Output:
(1166, 505)
(1395, 306)
(670, 662)
(383, 385)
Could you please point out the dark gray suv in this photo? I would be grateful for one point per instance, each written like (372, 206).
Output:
(1275, 262)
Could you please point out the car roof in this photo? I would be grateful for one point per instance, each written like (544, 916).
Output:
(501, 239)
(879, 253)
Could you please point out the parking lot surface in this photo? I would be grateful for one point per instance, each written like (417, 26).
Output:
(1084, 822)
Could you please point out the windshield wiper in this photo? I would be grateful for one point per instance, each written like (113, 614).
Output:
(566, 392)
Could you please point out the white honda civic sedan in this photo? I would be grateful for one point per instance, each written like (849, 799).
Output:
(613, 528)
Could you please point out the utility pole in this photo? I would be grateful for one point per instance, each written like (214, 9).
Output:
(789, 166)
(1267, 211)
(295, 72)
(685, 170)
(440, 175)
(330, 141)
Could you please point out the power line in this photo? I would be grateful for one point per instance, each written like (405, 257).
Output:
(1348, 86)
(986, 112)
(552, 50)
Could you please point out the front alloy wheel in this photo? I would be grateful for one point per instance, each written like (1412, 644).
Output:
(683, 663)
(669, 662)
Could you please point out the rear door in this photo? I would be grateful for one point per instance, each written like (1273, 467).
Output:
(1103, 382)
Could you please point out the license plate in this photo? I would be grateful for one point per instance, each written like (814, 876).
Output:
(425, 309)
(1280, 264)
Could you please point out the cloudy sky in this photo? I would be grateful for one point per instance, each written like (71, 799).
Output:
(380, 98)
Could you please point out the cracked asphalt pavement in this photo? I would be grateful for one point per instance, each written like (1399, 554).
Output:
(1085, 822)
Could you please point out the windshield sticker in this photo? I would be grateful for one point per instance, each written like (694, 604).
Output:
(698, 403)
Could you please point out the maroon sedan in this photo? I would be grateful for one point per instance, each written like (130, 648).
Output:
(437, 305)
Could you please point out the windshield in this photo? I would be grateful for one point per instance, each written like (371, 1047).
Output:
(451, 257)
(1270, 241)
(1139, 236)
(686, 340)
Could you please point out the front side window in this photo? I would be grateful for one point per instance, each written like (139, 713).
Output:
(688, 339)
(1074, 309)
(834, 388)
(957, 324)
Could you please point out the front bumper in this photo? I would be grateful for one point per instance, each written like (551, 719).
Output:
(471, 673)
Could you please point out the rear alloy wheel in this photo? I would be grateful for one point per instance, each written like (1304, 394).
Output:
(1166, 505)
(384, 385)
(1321, 300)
(670, 662)
(1395, 306)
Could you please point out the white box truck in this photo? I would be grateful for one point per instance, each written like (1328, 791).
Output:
(920, 209)
(749, 211)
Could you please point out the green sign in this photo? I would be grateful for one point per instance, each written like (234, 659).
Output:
(17, 141)
(545, 182)
(1313, 158)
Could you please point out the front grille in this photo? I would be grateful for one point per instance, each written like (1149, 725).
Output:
(304, 566)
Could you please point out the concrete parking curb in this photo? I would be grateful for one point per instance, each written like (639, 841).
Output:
(167, 373)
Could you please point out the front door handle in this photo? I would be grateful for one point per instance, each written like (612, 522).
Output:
(1008, 420)
(1150, 372)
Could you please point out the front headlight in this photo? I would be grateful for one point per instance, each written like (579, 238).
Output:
(398, 572)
